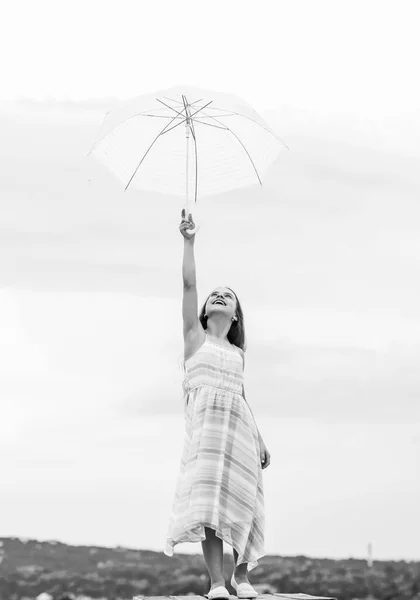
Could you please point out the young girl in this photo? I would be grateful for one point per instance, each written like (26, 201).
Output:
(219, 493)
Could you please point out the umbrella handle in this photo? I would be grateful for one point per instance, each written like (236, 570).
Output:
(192, 231)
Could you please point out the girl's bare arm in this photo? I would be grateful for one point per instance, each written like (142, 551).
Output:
(189, 297)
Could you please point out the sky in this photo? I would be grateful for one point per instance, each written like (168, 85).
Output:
(324, 258)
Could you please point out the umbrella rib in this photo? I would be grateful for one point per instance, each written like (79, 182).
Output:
(200, 109)
(147, 152)
(174, 126)
(211, 124)
(171, 107)
(250, 119)
(231, 114)
(243, 146)
(158, 116)
(154, 108)
(125, 121)
(196, 159)
(171, 99)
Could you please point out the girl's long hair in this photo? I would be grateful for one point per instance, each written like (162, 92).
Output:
(236, 333)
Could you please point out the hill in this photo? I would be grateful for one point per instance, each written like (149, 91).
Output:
(29, 568)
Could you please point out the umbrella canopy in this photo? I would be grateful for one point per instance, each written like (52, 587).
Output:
(186, 141)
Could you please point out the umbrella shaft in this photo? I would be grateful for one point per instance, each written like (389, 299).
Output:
(187, 137)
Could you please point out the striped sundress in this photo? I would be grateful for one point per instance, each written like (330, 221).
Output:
(220, 483)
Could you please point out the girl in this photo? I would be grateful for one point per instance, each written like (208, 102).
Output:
(219, 492)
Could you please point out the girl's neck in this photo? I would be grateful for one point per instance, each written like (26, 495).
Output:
(218, 330)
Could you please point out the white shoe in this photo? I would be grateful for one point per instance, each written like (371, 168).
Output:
(243, 590)
(218, 592)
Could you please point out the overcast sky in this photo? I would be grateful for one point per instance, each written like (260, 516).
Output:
(324, 258)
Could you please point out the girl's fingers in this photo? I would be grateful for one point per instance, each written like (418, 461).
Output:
(265, 459)
(186, 224)
(183, 217)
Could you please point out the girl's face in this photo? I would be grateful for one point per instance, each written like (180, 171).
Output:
(221, 300)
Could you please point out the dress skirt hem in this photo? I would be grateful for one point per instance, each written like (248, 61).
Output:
(198, 534)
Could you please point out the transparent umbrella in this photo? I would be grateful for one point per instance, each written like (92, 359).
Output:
(186, 142)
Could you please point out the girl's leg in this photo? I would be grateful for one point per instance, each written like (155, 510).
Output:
(213, 557)
(240, 571)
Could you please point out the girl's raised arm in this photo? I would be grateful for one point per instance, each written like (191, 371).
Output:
(189, 298)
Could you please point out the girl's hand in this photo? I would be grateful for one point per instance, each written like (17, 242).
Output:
(264, 455)
(186, 224)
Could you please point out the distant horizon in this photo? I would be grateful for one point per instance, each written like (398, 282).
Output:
(199, 552)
